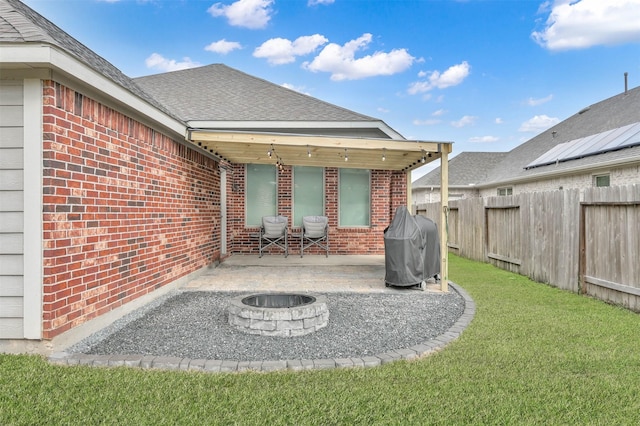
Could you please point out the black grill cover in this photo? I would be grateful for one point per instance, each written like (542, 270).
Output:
(411, 249)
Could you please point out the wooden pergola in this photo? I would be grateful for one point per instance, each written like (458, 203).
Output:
(334, 151)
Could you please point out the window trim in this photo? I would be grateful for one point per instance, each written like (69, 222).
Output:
(246, 192)
(508, 190)
(599, 176)
(368, 226)
(293, 192)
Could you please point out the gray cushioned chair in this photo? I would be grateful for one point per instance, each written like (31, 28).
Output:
(274, 232)
(315, 232)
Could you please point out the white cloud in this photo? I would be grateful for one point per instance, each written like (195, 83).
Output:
(159, 62)
(439, 113)
(223, 46)
(467, 120)
(581, 24)
(299, 89)
(453, 76)
(316, 2)
(118, 1)
(253, 14)
(383, 110)
(536, 102)
(341, 62)
(280, 51)
(538, 123)
(484, 139)
(499, 120)
(427, 122)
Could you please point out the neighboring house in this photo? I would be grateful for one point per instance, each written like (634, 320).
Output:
(114, 190)
(466, 170)
(597, 146)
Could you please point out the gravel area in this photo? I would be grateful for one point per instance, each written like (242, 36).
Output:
(193, 324)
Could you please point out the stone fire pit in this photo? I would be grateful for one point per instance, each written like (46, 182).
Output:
(279, 314)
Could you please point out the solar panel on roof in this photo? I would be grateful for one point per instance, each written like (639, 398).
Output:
(611, 140)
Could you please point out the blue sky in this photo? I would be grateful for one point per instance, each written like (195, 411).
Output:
(485, 74)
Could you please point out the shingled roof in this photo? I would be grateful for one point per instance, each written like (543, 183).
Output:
(465, 169)
(491, 169)
(616, 111)
(212, 93)
(22, 25)
(220, 93)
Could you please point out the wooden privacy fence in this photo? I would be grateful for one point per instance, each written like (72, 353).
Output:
(582, 241)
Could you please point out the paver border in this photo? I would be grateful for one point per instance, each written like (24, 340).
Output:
(212, 365)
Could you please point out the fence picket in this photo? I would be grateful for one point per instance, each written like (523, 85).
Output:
(538, 235)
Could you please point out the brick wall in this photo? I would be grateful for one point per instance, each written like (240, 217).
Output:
(126, 209)
(388, 191)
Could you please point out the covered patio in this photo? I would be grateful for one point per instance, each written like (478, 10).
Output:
(284, 149)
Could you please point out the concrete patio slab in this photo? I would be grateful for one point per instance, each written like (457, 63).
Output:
(275, 273)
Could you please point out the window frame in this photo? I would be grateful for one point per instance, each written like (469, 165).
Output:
(246, 194)
(508, 190)
(598, 177)
(293, 193)
(340, 224)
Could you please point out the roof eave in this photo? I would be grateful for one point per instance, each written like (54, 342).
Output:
(317, 150)
(42, 55)
(564, 172)
(283, 124)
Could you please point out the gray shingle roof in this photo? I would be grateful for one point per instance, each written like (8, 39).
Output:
(219, 93)
(483, 168)
(466, 168)
(210, 93)
(611, 113)
(21, 24)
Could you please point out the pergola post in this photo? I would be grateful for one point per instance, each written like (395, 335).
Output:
(409, 201)
(444, 213)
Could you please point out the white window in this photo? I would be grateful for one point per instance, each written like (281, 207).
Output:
(505, 191)
(261, 193)
(354, 197)
(308, 193)
(601, 180)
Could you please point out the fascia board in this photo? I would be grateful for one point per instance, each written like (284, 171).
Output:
(565, 172)
(202, 124)
(39, 55)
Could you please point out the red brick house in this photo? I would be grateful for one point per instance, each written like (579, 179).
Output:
(114, 191)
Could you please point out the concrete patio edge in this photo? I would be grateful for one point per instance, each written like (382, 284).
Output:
(212, 365)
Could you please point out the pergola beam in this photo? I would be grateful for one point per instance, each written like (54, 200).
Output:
(339, 152)
(320, 151)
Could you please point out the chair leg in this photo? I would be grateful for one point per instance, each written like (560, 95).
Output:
(327, 247)
(286, 244)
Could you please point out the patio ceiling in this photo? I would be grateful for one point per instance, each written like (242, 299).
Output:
(338, 152)
(321, 151)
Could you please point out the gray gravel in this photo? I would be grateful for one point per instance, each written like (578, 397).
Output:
(193, 324)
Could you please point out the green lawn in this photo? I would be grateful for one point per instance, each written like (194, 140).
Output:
(532, 355)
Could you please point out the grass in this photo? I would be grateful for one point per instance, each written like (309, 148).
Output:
(532, 355)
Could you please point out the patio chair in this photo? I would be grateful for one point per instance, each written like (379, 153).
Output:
(273, 232)
(315, 232)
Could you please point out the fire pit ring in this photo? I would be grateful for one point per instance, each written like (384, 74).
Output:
(279, 314)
